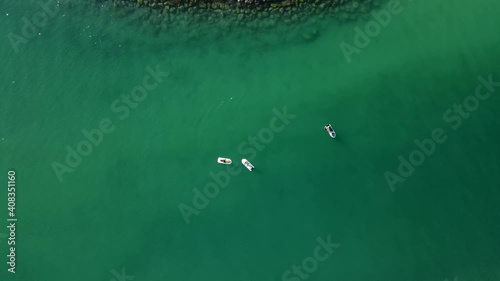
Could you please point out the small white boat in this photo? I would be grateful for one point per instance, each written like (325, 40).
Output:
(225, 161)
(247, 164)
(330, 130)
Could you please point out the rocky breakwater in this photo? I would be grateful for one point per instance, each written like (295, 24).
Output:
(195, 18)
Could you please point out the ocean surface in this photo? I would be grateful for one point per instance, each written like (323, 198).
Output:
(116, 213)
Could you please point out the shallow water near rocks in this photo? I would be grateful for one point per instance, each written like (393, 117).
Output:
(119, 208)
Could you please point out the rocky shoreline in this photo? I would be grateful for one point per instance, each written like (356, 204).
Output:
(266, 25)
(191, 18)
(243, 4)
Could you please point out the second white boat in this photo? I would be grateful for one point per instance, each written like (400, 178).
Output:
(247, 164)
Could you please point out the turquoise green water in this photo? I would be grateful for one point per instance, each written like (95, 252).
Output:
(119, 208)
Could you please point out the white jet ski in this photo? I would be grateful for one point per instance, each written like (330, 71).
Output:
(330, 130)
(225, 161)
(247, 164)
